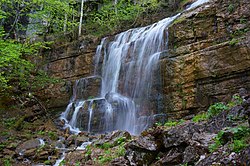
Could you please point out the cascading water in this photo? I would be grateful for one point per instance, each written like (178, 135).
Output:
(127, 71)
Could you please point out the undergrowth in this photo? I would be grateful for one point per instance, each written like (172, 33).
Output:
(237, 142)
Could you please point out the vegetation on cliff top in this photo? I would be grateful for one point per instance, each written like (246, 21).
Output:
(23, 23)
(25, 26)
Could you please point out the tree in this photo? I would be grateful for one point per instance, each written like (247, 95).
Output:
(36, 16)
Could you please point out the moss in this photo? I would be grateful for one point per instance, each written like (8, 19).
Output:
(105, 146)
(19, 124)
(52, 135)
(47, 162)
(178, 20)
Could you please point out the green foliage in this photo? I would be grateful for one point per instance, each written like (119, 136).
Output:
(240, 132)
(119, 140)
(45, 16)
(62, 163)
(9, 122)
(16, 71)
(47, 162)
(41, 132)
(111, 17)
(12, 64)
(88, 150)
(105, 146)
(238, 145)
(186, 164)
(174, 123)
(200, 117)
(215, 109)
(238, 142)
(233, 42)
(4, 133)
(217, 142)
(52, 14)
(104, 159)
(171, 123)
(237, 100)
(158, 124)
(231, 8)
(7, 162)
(178, 20)
(2, 146)
(121, 150)
(78, 163)
(243, 20)
(110, 154)
(52, 135)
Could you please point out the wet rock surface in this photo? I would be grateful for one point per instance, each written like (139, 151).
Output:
(206, 64)
(203, 65)
(187, 143)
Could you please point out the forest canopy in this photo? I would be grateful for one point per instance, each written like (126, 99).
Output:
(25, 25)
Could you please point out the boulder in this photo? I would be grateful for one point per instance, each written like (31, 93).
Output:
(28, 147)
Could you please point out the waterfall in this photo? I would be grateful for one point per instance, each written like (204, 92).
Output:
(126, 67)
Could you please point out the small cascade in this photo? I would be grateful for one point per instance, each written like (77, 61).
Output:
(121, 94)
(58, 162)
(42, 143)
(83, 146)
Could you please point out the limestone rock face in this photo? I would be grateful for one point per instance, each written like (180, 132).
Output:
(208, 60)
(69, 62)
(209, 57)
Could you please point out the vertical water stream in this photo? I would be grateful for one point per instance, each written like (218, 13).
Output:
(126, 67)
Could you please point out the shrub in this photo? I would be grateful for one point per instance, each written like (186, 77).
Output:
(200, 117)
(171, 123)
(119, 140)
(237, 100)
(238, 142)
(215, 109)
(231, 8)
(217, 142)
(233, 42)
(106, 146)
(121, 150)
(104, 159)
(238, 145)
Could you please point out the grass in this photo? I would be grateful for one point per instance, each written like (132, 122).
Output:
(171, 123)
(10, 122)
(110, 154)
(2, 146)
(200, 117)
(105, 146)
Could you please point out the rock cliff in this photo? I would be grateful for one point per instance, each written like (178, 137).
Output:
(207, 60)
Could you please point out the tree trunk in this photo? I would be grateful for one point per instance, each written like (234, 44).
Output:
(80, 25)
